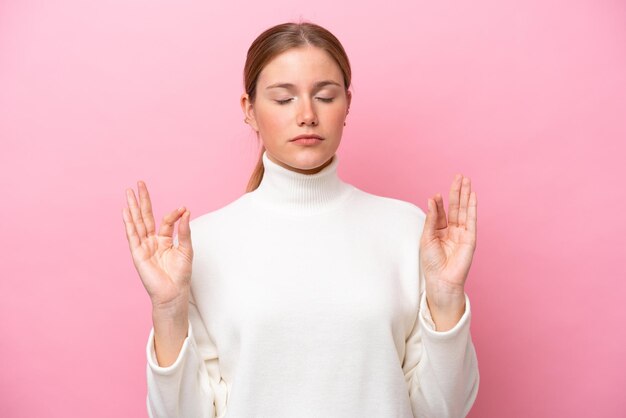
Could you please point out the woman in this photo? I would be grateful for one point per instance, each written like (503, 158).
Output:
(306, 296)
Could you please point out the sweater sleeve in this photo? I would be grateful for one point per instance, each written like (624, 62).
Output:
(440, 367)
(192, 385)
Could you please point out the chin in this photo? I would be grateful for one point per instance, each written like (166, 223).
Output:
(306, 158)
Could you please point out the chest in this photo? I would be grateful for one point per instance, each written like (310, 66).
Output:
(318, 284)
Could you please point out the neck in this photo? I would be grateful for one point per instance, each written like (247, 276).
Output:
(286, 190)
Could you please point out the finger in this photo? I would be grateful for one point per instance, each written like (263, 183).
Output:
(442, 222)
(453, 201)
(184, 232)
(146, 207)
(428, 234)
(136, 213)
(131, 232)
(167, 226)
(471, 214)
(465, 192)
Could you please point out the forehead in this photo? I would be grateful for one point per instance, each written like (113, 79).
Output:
(300, 66)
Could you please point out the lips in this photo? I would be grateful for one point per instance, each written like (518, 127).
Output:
(307, 136)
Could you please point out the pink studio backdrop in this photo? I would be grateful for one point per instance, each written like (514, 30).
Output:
(527, 98)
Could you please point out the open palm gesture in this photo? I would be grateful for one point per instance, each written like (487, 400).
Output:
(165, 270)
(447, 246)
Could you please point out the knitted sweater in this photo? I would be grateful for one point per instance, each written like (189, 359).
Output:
(307, 301)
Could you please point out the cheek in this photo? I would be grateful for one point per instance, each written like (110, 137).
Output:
(336, 117)
(272, 123)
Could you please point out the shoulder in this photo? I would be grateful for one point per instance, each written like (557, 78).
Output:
(387, 216)
(389, 207)
(229, 215)
(395, 225)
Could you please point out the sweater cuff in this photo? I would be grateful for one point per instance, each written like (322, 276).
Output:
(168, 370)
(428, 324)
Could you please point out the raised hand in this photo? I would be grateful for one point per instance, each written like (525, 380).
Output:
(447, 248)
(165, 270)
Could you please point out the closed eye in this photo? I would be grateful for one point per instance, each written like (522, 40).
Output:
(323, 99)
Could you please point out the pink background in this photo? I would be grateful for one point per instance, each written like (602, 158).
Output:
(527, 98)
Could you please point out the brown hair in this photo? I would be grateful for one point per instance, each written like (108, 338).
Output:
(276, 40)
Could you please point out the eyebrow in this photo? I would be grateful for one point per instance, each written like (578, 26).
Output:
(316, 86)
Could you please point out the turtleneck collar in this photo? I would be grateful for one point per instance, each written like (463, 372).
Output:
(293, 192)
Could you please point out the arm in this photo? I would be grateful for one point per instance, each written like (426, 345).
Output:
(441, 367)
(192, 385)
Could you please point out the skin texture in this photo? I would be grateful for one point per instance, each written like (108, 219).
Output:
(165, 270)
(305, 111)
(446, 250)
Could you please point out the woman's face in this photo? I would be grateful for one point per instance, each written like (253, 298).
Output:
(300, 91)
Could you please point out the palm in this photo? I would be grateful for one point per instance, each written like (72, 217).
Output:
(447, 245)
(165, 270)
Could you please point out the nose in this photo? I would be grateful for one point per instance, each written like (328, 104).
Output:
(306, 114)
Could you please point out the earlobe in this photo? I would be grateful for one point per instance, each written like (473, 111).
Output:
(250, 118)
(248, 110)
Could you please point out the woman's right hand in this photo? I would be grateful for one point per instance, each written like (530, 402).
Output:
(165, 270)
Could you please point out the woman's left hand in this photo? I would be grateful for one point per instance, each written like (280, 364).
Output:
(446, 251)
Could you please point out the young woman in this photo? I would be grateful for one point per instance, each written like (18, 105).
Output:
(306, 296)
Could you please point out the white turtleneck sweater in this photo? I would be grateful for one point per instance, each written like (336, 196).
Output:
(307, 301)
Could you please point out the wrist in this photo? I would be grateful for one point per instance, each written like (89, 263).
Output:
(445, 298)
(447, 311)
(170, 325)
(170, 313)
(171, 305)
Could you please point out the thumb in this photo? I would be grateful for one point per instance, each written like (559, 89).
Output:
(184, 232)
(431, 221)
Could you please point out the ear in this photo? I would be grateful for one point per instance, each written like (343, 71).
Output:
(349, 97)
(248, 111)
